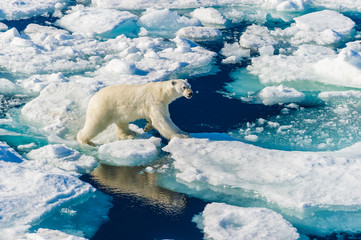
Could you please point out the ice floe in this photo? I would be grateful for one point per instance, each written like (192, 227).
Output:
(255, 37)
(59, 156)
(280, 94)
(200, 33)
(47, 234)
(323, 27)
(297, 182)
(209, 16)
(220, 221)
(165, 22)
(98, 21)
(14, 9)
(30, 193)
(129, 152)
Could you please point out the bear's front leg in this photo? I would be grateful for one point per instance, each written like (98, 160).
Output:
(123, 131)
(165, 126)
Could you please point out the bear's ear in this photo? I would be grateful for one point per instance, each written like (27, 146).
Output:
(174, 83)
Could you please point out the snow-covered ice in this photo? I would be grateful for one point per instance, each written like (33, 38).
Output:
(59, 156)
(280, 94)
(256, 37)
(97, 21)
(200, 33)
(165, 22)
(302, 184)
(14, 9)
(129, 152)
(220, 221)
(29, 193)
(209, 16)
(323, 27)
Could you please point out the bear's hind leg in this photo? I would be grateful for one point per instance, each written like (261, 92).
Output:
(123, 131)
(90, 131)
(149, 126)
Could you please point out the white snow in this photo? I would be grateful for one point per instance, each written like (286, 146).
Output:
(3, 27)
(98, 21)
(280, 94)
(30, 192)
(15, 9)
(46, 49)
(38, 82)
(324, 20)
(324, 27)
(209, 16)
(342, 69)
(200, 33)
(8, 88)
(48, 234)
(280, 5)
(286, 68)
(221, 221)
(129, 152)
(339, 96)
(255, 37)
(59, 156)
(301, 183)
(234, 53)
(165, 22)
(120, 67)
(58, 107)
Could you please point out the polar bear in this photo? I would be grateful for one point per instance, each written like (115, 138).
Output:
(121, 104)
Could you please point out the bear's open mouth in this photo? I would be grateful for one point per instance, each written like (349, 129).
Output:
(189, 95)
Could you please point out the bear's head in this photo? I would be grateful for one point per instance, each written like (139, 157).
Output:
(182, 87)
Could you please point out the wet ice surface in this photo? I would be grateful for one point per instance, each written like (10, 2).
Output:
(277, 80)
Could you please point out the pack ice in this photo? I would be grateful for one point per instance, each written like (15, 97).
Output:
(220, 221)
(306, 186)
(62, 65)
(32, 193)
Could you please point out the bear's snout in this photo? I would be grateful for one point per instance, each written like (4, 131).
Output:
(189, 93)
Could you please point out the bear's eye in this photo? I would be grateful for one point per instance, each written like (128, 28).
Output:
(184, 88)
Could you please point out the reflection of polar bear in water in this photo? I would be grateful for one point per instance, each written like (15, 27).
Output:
(122, 104)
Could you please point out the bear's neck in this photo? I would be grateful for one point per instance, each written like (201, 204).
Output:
(169, 95)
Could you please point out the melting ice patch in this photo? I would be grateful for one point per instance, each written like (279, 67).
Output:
(302, 184)
(220, 221)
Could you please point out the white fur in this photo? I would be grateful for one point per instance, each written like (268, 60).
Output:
(121, 104)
